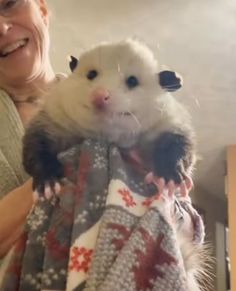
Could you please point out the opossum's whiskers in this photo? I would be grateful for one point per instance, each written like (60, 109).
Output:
(159, 111)
(135, 118)
(118, 68)
(100, 57)
(196, 100)
(161, 108)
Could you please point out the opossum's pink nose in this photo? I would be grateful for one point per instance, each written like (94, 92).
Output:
(100, 98)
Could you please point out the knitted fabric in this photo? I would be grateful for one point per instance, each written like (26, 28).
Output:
(12, 173)
(108, 231)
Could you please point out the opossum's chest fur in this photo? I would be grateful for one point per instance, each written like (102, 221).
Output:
(142, 144)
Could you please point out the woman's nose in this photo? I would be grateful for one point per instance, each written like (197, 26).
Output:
(5, 26)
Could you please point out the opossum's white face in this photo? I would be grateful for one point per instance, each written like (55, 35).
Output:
(115, 92)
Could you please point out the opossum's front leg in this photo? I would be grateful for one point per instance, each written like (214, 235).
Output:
(40, 149)
(173, 156)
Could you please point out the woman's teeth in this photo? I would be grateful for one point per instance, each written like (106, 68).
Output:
(12, 47)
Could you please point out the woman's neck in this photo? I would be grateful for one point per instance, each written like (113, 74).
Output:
(21, 91)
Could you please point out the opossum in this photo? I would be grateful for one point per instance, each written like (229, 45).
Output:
(115, 92)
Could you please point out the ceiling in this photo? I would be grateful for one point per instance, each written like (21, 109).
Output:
(195, 38)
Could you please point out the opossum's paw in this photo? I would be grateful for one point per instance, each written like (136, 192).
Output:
(172, 157)
(184, 186)
(171, 171)
(46, 188)
(47, 175)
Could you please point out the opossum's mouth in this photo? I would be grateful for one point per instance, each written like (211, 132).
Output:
(114, 113)
(124, 113)
(121, 113)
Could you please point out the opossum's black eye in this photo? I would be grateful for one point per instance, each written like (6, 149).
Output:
(92, 74)
(132, 82)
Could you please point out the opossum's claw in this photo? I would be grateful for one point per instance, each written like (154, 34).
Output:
(46, 188)
(170, 187)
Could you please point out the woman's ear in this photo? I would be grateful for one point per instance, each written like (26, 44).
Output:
(170, 81)
(73, 63)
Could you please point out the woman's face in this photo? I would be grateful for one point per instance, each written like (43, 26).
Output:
(24, 40)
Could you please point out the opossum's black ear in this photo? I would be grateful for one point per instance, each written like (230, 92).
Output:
(73, 63)
(170, 81)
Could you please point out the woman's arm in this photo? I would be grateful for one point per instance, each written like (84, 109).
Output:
(14, 208)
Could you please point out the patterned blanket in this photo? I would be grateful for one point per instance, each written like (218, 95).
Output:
(107, 231)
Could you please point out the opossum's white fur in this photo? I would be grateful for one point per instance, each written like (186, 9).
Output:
(153, 110)
(197, 262)
(196, 259)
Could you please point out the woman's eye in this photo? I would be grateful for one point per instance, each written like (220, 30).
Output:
(132, 82)
(6, 5)
(92, 74)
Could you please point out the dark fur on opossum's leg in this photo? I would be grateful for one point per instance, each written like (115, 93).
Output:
(172, 156)
(40, 157)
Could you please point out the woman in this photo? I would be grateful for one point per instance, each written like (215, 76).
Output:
(25, 73)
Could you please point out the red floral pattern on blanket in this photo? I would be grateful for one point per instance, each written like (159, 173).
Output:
(80, 259)
(127, 197)
(148, 201)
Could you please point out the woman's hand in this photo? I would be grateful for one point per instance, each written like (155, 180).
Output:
(14, 208)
